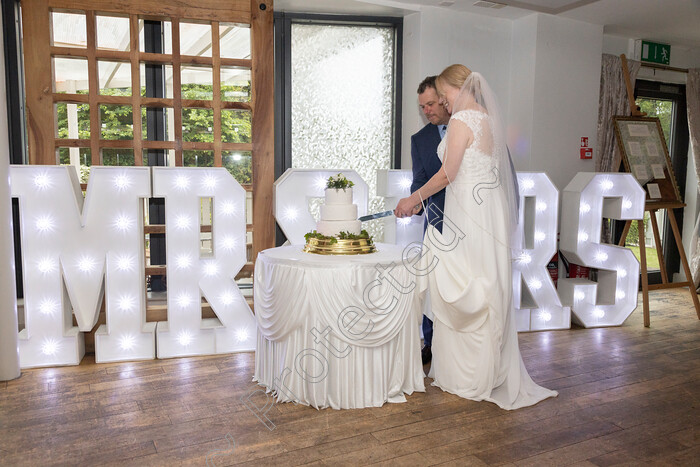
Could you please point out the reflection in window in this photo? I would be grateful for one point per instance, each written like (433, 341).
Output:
(235, 84)
(113, 33)
(68, 30)
(234, 40)
(239, 164)
(70, 75)
(342, 101)
(197, 83)
(114, 78)
(195, 39)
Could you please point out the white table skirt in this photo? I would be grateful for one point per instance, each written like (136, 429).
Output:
(365, 363)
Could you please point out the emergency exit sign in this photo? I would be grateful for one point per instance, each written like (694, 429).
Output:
(655, 52)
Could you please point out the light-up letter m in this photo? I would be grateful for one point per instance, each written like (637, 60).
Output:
(69, 246)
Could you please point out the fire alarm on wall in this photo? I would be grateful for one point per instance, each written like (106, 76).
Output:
(586, 152)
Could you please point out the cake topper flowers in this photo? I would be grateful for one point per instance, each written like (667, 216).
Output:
(338, 182)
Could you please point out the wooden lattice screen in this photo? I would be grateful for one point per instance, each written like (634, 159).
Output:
(42, 96)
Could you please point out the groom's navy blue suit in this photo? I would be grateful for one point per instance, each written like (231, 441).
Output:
(426, 163)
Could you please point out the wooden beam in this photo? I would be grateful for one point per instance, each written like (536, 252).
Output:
(657, 242)
(236, 11)
(36, 31)
(94, 87)
(645, 277)
(630, 91)
(147, 144)
(625, 231)
(262, 45)
(237, 146)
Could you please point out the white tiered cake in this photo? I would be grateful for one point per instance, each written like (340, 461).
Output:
(338, 213)
(339, 232)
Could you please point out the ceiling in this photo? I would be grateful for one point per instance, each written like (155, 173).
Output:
(672, 21)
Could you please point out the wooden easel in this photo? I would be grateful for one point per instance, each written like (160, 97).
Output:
(653, 208)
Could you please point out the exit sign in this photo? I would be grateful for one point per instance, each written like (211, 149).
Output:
(655, 52)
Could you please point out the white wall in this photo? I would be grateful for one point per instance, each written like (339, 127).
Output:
(567, 86)
(544, 69)
(435, 38)
(521, 107)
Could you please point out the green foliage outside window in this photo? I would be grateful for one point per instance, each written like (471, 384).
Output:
(197, 126)
(661, 109)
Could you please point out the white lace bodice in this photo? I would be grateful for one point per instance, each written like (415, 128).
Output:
(478, 161)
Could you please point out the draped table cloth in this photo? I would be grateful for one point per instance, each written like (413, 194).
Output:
(337, 331)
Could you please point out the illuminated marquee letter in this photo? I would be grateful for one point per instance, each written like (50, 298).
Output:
(191, 274)
(394, 185)
(587, 199)
(67, 246)
(537, 305)
(293, 191)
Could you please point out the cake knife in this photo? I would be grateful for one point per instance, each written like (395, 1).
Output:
(378, 215)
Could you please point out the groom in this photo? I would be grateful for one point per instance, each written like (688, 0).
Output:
(426, 164)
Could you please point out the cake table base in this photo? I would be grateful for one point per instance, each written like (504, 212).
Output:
(340, 332)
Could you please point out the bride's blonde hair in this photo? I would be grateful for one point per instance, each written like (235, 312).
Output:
(453, 75)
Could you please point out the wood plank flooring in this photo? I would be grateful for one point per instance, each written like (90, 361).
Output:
(627, 395)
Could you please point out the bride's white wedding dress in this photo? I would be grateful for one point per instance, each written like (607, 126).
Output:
(475, 344)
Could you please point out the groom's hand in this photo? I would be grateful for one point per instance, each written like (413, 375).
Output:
(405, 208)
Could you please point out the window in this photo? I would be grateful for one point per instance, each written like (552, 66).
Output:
(339, 96)
(668, 103)
(154, 84)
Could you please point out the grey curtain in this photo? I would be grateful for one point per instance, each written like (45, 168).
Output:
(612, 102)
(692, 93)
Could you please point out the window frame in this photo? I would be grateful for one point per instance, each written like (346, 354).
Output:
(283, 82)
(679, 159)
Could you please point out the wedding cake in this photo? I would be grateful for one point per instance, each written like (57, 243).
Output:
(338, 213)
(339, 232)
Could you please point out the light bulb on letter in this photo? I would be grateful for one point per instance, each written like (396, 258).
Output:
(184, 338)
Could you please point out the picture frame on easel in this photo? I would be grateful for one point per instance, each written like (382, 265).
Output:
(645, 155)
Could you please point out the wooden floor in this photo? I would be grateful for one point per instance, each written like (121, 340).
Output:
(627, 395)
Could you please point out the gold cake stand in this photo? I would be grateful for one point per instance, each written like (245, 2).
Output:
(360, 246)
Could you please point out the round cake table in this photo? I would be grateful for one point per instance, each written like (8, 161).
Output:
(337, 331)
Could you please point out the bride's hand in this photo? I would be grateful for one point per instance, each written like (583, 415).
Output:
(405, 208)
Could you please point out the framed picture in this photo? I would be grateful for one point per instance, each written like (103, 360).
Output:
(645, 155)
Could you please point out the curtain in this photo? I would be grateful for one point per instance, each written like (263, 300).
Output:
(612, 102)
(692, 91)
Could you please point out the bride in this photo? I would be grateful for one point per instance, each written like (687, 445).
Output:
(475, 344)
